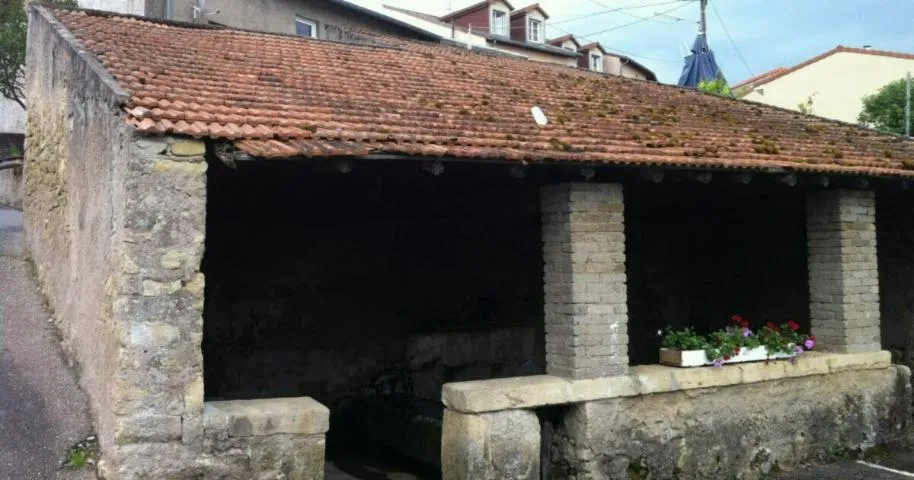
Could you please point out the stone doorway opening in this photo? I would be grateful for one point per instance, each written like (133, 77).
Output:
(367, 289)
(697, 254)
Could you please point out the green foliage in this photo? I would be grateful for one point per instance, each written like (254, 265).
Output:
(728, 342)
(807, 107)
(83, 454)
(13, 32)
(715, 87)
(884, 109)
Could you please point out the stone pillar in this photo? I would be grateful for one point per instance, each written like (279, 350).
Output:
(585, 283)
(843, 273)
(503, 445)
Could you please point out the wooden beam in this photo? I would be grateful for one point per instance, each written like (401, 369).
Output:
(517, 171)
(860, 183)
(743, 178)
(435, 167)
(790, 179)
(701, 177)
(343, 166)
(652, 175)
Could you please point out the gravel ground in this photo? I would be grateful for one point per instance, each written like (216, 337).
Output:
(42, 410)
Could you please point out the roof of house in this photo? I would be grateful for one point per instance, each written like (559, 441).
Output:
(558, 41)
(626, 60)
(528, 9)
(473, 7)
(368, 12)
(779, 72)
(591, 46)
(284, 96)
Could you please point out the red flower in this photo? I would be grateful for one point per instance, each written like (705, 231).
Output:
(726, 357)
(736, 351)
(794, 326)
(772, 326)
(737, 318)
(744, 324)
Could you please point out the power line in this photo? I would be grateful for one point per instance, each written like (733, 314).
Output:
(738, 53)
(675, 19)
(619, 27)
(621, 51)
(612, 10)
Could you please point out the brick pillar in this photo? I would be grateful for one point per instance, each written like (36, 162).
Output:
(843, 273)
(584, 251)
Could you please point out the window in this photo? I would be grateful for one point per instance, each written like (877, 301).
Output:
(535, 30)
(499, 23)
(596, 62)
(305, 27)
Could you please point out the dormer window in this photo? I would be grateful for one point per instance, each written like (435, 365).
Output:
(535, 30)
(596, 62)
(499, 22)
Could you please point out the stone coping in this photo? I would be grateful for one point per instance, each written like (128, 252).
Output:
(543, 390)
(269, 416)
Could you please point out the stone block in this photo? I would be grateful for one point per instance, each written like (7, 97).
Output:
(500, 445)
(148, 427)
(187, 148)
(860, 361)
(249, 418)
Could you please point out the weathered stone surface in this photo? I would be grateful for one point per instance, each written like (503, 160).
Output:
(843, 270)
(584, 280)
(187, 148)
(745, 431)
(251, 418)
(543, 390)
(502, 445)
(11, 187)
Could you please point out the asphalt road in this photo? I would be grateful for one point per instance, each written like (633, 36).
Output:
(42, 410)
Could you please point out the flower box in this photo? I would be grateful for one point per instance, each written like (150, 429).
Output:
(698, 358)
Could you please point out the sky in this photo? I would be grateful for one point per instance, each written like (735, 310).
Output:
(768, 33)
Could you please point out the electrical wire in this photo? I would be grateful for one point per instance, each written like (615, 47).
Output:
(634, 55)
(622, 12)
(624, 25)
(612, 10)
(738, 53)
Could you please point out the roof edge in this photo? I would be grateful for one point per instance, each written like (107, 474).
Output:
(120, 96)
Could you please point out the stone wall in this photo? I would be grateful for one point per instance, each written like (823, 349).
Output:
(843, 270)
(744, 431)
(11, 187)
(74, 172)
(336, 286)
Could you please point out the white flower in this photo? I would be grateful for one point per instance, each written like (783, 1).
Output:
(659, 333)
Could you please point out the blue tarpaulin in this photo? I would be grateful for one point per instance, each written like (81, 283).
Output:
(700, 66)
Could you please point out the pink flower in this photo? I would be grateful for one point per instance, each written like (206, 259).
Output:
(809, 344)
(718, 363)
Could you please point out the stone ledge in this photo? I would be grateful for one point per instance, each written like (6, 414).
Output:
(254, 418)
(544, 390)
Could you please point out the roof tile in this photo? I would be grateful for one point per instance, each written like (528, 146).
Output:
(283, 96)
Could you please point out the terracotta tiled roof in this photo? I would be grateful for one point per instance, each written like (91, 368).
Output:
(758, 78)
(528, 9)
(283, 96)
(557, 42)
(780, 72)
(473, 7)
(591, 46)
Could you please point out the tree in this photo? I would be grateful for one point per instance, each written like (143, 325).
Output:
(884, 110)
(13, 32)
(715, 87)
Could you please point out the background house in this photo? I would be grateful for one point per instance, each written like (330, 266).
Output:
(833, 83)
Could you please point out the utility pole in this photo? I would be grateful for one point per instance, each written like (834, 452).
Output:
(703, 26)
(907, 106)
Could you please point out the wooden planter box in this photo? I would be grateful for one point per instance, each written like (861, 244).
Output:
(697, 358)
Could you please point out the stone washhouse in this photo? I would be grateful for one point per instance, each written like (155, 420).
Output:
(261, 248)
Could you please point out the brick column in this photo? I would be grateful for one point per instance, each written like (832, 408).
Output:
(843, 273)
(584, 251)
